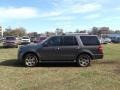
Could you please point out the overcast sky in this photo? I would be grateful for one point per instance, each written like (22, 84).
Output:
(47, 15)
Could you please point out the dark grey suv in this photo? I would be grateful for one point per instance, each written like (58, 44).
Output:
(69, 48)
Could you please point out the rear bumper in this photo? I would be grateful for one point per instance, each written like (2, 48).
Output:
(98, 56)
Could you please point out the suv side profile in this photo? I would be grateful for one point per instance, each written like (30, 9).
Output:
(70, 48)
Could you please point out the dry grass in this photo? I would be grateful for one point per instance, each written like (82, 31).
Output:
(101, 75)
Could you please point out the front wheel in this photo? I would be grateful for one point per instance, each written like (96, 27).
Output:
(84, 60)
(30, 60)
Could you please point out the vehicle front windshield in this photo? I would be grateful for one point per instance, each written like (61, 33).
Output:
(25, 38)
(10, 38)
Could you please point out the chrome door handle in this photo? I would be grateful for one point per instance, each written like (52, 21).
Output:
(58, 48)
(77, 48)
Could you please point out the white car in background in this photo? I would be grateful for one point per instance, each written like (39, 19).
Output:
(105, 40)
(108, 40)
(25, 40)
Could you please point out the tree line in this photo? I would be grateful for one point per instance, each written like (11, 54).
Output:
(20, 31)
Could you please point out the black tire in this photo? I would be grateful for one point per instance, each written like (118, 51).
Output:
(30, 60)
(84, 60)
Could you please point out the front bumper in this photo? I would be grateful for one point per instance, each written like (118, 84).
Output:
(20, 56)
(9, 44)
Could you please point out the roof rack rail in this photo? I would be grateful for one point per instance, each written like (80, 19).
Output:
(75, 34)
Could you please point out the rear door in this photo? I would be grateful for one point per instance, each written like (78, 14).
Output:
(69, 48)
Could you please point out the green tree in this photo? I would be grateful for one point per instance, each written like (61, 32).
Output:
(117, 31)
(18, 32)
(77, 31)
(95, 31)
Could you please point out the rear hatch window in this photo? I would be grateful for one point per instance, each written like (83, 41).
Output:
(89, 40)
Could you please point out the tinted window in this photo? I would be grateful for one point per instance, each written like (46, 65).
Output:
(69, 41)
(10, 38)
(54, 41)
(89, 40)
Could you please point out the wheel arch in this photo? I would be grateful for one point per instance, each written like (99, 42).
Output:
(30, 52)
(88, 53)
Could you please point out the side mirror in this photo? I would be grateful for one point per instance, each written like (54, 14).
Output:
(45, 44)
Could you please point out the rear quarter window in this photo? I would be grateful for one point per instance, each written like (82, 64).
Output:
(89, 40)
(69, 41)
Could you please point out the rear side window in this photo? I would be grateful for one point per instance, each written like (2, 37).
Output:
(89, 40)
(69, 41)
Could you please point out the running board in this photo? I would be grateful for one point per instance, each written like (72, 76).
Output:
(57, 61)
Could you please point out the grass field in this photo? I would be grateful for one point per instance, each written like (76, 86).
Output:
(101, 75)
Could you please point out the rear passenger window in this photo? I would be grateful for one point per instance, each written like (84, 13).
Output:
(89, 40)
(69, 41)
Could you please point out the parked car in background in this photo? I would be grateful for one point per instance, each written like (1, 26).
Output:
(115, 38)
(1, 39)
(32, 39)
(25, 40)
(40, 39)
(10, 41)
(64, 48)
(105, 40)
(108, 40)
(18, 40)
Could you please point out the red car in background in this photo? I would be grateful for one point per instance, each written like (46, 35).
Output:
(10, 41)
(40, 39)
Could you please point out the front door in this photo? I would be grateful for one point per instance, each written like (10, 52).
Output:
(50, 49)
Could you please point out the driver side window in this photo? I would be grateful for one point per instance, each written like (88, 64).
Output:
(54, 41)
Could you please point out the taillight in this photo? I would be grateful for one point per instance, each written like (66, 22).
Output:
(100, 48)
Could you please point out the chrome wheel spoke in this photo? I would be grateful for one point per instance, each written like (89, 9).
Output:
(30, 60)
(84, 60)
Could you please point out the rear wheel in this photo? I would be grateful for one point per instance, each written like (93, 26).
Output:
(30, 60)
(84, 60)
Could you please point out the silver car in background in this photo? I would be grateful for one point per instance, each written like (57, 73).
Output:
(25, 40)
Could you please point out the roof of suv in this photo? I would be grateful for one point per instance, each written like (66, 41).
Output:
(76, 35)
